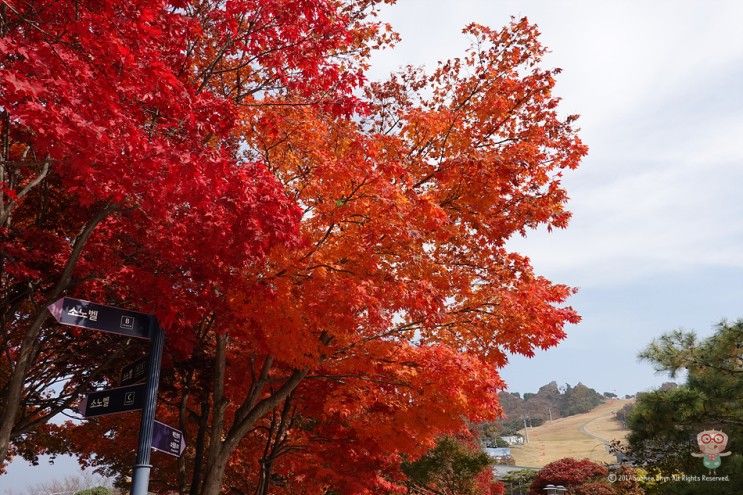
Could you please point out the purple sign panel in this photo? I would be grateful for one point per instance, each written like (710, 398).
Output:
(134, 373)
(167, 439)
(86, 314)
(113, 400)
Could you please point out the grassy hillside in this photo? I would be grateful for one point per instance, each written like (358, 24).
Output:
(579, 436)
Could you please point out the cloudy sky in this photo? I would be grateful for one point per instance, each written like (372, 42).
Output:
(655, 242)
(657, 233)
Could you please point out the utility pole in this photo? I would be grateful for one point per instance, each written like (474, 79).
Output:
(526, 430)
(550, 411)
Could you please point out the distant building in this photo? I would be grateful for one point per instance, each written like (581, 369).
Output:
(513, 439)
(498, 451)
(501, 455)
(501, 471)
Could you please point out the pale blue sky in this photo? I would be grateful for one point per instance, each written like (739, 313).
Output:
(655, 242)
(656, 237)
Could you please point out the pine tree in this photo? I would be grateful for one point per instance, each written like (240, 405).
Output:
(664, 423)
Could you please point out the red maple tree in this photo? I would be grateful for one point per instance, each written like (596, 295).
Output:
(585, 477)
(304, 361)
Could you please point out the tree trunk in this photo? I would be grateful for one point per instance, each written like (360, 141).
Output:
(182, 412)
(14, 390)
(215, 472)
(266, 466)
(213, 481)
(200, 448)
(275, 442)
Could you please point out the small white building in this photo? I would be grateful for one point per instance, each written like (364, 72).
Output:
(501, 455)
(513, 439)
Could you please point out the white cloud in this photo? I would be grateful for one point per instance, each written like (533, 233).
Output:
(658, 86)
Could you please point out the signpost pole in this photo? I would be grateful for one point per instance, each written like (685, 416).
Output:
(141, 473)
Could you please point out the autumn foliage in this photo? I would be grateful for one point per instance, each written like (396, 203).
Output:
(584, 477)
(327, 255)
(454, 466)
(571, 473)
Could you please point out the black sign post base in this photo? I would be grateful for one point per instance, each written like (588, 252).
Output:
(141, 472)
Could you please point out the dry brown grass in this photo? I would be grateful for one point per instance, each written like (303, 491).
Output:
(572, 437)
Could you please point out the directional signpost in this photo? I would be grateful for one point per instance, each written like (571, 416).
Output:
(167, 439)
(113, 400)
(86, 314)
